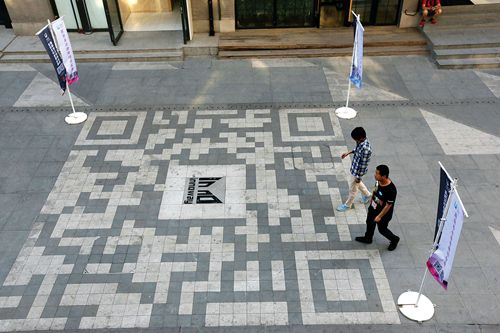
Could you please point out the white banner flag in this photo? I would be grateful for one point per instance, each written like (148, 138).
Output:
(441, 261)
(67, 55)
(356, 75)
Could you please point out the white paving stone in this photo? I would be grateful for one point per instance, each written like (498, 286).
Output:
(496, 234)
(459, 139)
(42, 91)
(491, 81)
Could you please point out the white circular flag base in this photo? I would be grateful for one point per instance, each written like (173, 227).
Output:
(76, 118)
(423, 312)
(345, 112)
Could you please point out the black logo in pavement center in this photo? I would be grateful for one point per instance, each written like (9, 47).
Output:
(205, 190)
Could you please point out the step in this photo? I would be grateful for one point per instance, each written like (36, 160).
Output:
(316, 39)
(467, 13)
(471, 9)
(482, 52)
(463, 38)
(97, 57)
(108, 51)
(450, 28)
(329, 45)
(470, 45)
(334, 52)
(469, 63)
(487, 19)
(476, 23)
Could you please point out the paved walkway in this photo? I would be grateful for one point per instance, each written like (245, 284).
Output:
(97, 234)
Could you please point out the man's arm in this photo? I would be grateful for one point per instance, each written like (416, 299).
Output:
(384, 211)
(344, 155)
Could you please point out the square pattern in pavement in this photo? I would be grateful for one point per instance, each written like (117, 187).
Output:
(115, 246)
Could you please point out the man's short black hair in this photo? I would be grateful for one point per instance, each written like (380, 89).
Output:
(358, 133)
(383, 170)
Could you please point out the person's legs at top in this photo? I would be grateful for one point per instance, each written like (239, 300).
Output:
(425, 14)
(354, 187)
(353, 191)
(437, 12)
(365, 194)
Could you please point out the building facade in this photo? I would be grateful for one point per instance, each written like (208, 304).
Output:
(193, 16)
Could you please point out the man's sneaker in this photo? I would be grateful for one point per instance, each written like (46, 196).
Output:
(434, 21)
(363, 240)
(393, 244)
(343, 208)
(421, 24)
(365, 198)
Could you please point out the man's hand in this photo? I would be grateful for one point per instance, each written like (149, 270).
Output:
(344, 155)
(384, 211)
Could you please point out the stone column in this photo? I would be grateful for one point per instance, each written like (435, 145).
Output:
(228, 16)
(200, 17)
(224, 23)
(407, 21)
(29, 16)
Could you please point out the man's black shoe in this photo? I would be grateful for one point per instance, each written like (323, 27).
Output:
(363, 240)
(393, 245)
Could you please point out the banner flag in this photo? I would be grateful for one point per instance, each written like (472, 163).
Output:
(356, 75)
(48, 42)
(62, 37)
(441, 261)
(445, 182)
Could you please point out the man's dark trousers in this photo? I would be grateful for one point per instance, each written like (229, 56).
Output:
(382, 227)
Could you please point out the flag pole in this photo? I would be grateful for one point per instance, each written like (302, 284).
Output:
(423, 311)
(349, 79)
(346, 112)
(438, 234)
(75, 117)
(355, 49)
(71, 100)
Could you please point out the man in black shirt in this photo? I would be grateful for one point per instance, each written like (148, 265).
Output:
(381, 208)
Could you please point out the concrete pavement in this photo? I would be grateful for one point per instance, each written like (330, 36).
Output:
(97, 236)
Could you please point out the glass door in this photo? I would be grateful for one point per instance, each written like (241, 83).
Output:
(275, 13)
(387, 12)
(68, 10)
(363, 8)
(114, 20)
(254, 14)
(295, 13)
(377, 12)
(332, 13)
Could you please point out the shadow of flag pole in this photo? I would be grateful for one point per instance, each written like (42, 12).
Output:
(355, 72)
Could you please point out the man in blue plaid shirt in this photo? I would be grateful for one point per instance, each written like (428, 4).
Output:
(359, 167)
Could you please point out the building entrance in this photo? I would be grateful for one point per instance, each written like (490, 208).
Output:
(119, 16)
(151, 15)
